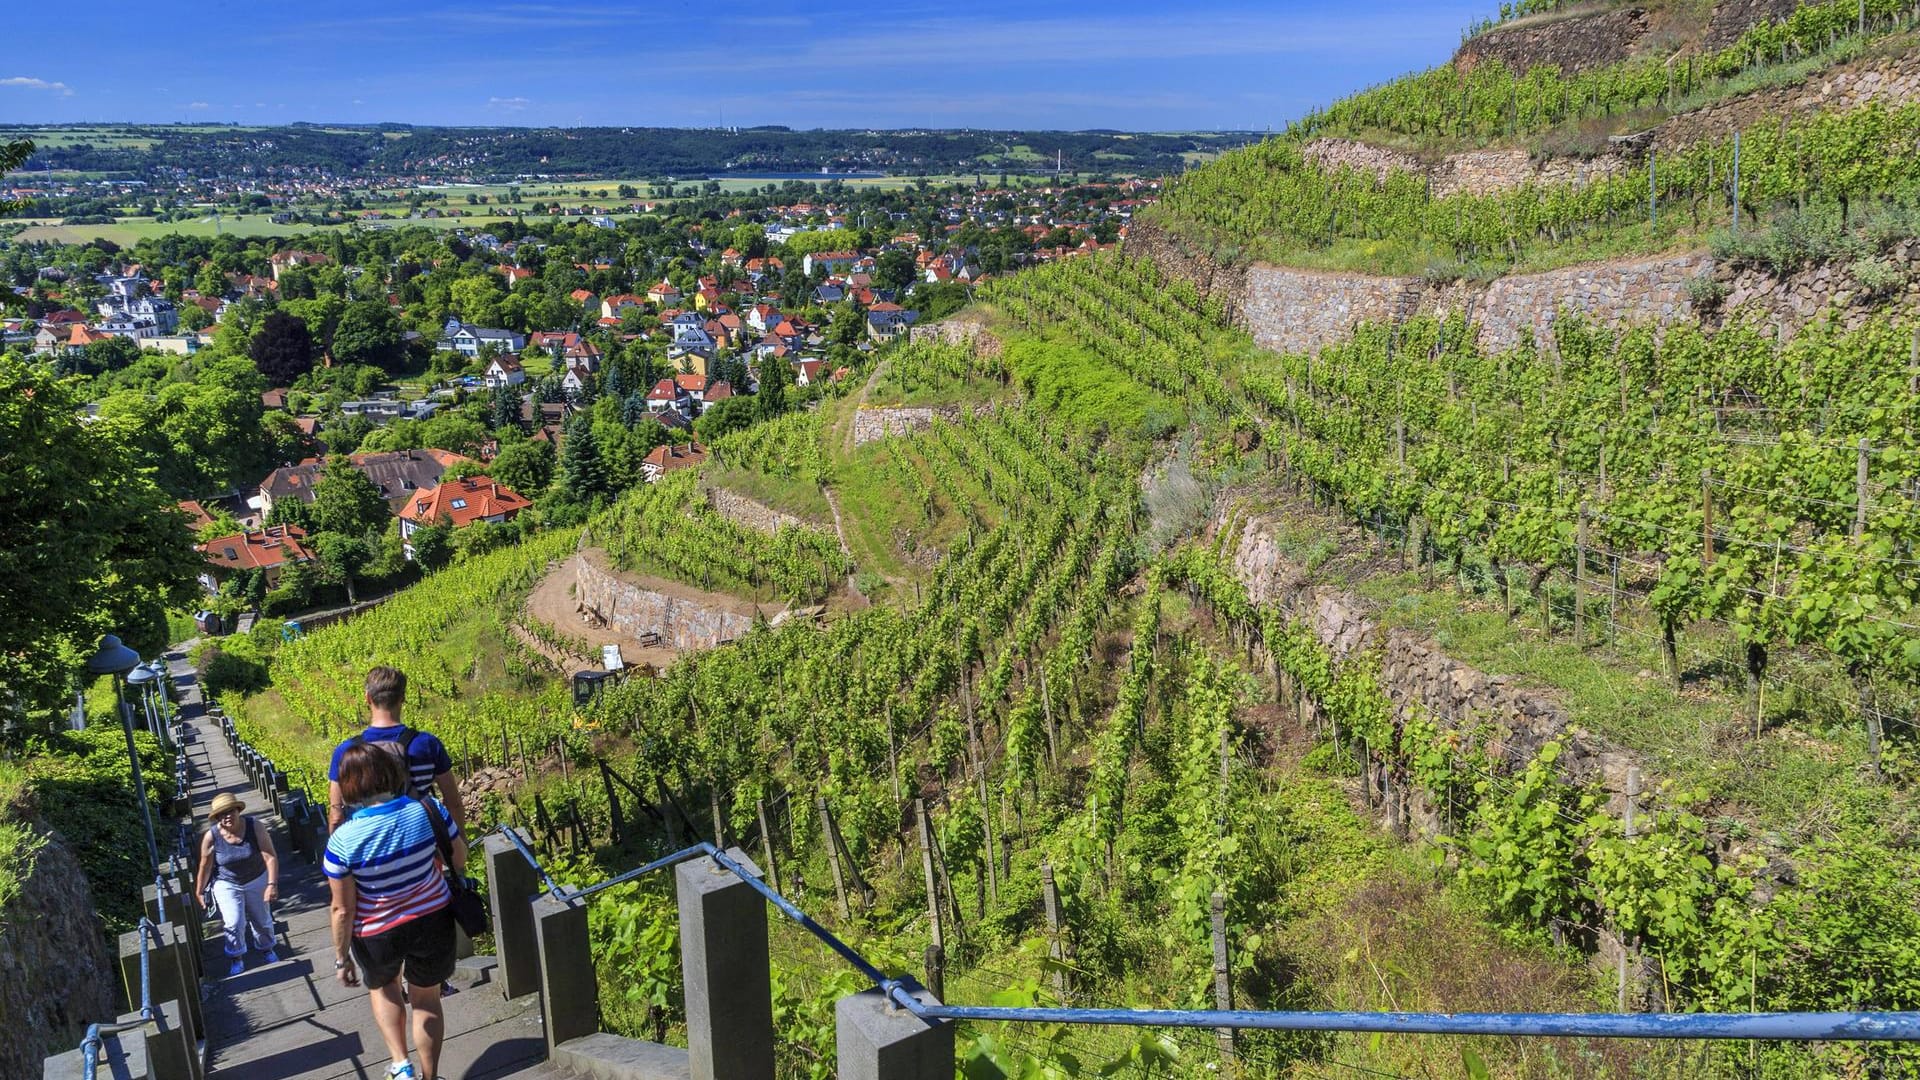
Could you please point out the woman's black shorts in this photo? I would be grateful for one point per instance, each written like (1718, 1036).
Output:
(423, 946)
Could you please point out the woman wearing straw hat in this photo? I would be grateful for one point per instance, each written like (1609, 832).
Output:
(237, 858)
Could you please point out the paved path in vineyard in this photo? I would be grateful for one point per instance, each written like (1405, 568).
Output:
(293, 1020)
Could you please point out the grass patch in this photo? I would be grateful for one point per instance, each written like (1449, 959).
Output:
(792, 495)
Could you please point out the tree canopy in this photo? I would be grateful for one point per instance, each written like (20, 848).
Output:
(89, 543)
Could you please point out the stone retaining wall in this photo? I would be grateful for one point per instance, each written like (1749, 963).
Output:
(1294, 310)
(879, 421)
(1475, 172)
(749, 512)
(1631, 292)
(635, 610)
(1414, 672)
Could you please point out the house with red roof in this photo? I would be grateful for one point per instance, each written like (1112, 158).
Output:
(270, 550)
(662, 460)
(617, 305)
(457, 504)
(663, 294)
(666, 394)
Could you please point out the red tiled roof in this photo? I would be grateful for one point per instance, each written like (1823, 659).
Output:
(462, 502)
(673, 456)
(271, 546)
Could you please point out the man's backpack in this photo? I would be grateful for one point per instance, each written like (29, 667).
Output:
(398, 748)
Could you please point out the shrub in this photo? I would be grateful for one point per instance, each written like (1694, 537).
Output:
(1879, 276)
(1706, 291)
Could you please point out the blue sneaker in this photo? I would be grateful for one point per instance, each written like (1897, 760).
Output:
(239, 965)
(402, 1070)
(271, 957)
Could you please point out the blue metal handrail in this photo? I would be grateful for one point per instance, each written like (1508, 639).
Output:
(96, 1033)
(1792, 1026)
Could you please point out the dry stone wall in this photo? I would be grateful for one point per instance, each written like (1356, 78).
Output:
(635, 610)
(878, 422)
(1515, 722)
(1613, 294)
(749, 512)
(1295, 310)
(872, 422)
(1890, 81)
(1787, 304)
(1571, 43)
(1473, 172)
(960, 330)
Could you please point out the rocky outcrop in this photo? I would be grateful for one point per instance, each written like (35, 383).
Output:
(1570, 43)
(749, 512)
(682, 617)
(55, 974)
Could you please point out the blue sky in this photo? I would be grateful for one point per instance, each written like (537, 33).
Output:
(1195, 64)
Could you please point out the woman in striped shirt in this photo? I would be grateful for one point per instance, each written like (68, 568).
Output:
(390, 902)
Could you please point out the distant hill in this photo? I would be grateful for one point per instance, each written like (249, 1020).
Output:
(473, 153)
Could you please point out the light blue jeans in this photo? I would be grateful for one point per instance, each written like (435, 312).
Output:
(244, 908)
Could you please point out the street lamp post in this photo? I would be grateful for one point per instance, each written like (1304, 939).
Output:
(118, 661)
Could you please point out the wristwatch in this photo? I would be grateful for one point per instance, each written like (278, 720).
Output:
(339, 965)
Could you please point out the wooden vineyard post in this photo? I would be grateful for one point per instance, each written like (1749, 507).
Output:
(925, 828)
(719, 820)
(1056, 949)
(1706, 517)
(1860, 490)
(1580, 579)
(833, 858)
(766, 846)
(618, 822)
(1626, 822)
(1046, 705)
(1222, 973)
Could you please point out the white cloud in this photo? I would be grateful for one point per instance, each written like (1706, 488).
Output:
(196, 105)
(510, 104)
(357, 101)
(27, 82)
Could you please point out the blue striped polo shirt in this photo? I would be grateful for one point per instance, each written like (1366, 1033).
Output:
(389, 851)
(426, 755)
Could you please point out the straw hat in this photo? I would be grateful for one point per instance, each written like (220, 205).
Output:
(224, 802)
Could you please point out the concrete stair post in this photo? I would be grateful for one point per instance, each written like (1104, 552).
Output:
(169, 970)
(173, 907)
(511, 886)
(878, 1040)
(724, 962)
(569, 988)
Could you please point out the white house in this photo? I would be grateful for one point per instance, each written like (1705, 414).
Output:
(504, 370)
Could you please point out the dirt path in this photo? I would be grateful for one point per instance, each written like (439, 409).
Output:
(858, 404)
